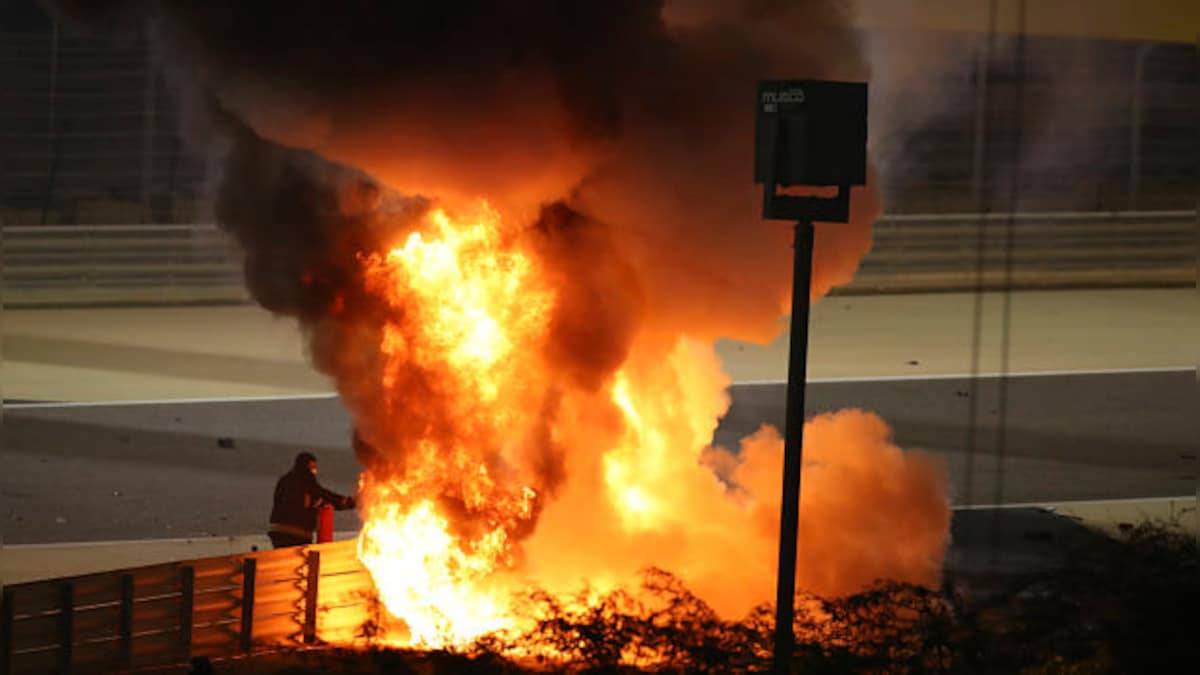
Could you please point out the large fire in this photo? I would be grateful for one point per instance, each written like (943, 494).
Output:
(461, 513)
(467, 305)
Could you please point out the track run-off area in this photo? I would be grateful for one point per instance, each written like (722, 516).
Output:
(169, 426)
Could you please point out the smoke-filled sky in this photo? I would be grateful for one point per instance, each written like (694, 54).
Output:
(633, 113)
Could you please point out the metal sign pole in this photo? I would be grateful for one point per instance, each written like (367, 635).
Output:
(793, 451)
(811, 133)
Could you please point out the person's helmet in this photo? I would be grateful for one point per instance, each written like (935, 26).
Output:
(302, 461)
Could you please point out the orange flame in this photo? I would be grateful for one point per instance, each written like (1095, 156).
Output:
(449, 511)
(465, 305)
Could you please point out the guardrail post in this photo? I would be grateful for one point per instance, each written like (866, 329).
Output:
(6, 627)
(310, 597)
(66, 626)
(126, 620)
(249, 566)
(187, 587)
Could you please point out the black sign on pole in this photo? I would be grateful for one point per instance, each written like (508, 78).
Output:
(807, 133)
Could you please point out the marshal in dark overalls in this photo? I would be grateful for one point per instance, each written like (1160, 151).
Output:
(298, 498)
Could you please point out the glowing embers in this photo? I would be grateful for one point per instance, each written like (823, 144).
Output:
(461, 376)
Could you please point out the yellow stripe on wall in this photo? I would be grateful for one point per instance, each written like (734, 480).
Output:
(1138, 20)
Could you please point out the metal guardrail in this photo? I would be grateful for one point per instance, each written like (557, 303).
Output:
(158, 264)
(163, 615)
(119, 264)
(998, 251)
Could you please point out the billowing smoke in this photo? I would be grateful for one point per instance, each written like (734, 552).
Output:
(631, 112)
(613, 138)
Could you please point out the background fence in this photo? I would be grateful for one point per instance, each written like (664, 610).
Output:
(1000, 251)
(91, 128)
(91, 133)
(139, 264)
(1095, 142)
(166, 614)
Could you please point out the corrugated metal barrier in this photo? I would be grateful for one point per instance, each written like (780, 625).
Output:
(167, 614)
(166, 264)
(997, 251)
(56, 265)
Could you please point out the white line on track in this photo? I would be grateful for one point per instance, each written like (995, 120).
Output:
(169, 401)
(736, 383)
(967, 376)
(1078, 502)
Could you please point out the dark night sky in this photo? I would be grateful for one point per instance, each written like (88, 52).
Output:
(23, 16)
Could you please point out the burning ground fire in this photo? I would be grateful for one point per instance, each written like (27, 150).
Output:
(469, 307)
(466, 517)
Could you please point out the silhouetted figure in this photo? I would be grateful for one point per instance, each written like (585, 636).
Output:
(298, 497)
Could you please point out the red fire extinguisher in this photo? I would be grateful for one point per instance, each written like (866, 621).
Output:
(325, 524)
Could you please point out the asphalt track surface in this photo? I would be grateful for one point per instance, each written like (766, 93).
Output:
(158, 470)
